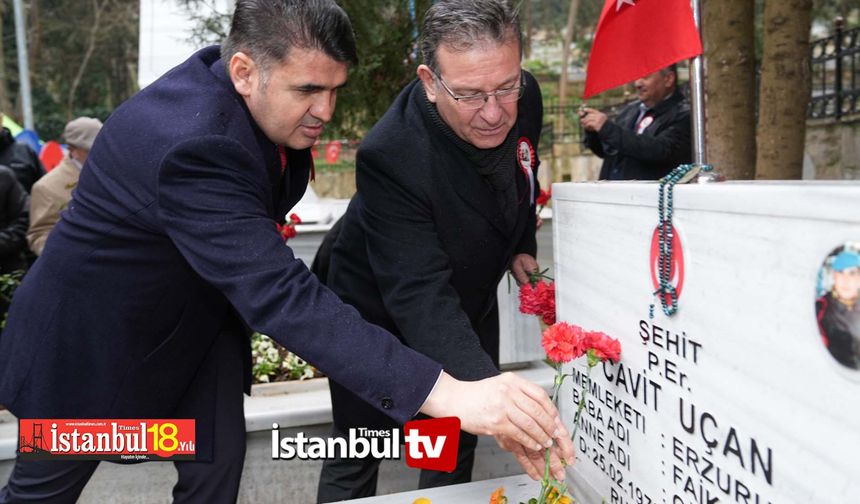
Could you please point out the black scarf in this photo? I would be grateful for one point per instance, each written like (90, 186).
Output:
(497, 165)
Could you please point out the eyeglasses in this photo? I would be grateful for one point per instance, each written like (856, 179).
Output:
(476, 101)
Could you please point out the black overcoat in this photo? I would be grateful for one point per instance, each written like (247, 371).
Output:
(171, 229)
(423, 244)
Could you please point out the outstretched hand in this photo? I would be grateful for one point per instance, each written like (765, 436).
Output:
(533, 461)
(508, 407)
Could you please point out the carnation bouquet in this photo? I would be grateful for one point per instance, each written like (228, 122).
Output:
(563, 343)
(288, 229)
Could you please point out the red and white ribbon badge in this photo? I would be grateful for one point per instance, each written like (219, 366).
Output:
(526, 159)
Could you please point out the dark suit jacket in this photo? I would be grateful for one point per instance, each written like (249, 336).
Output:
(171, 226)
(423, 244)
(661, 147)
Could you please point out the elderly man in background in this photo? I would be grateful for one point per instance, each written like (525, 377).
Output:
(52, 192)
(649, 137)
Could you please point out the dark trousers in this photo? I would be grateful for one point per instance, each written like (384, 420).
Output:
(343, 479)
(60, 481)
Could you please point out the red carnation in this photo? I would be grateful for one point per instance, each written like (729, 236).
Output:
(544, 197)
(546, 294)
(529, 300)
(539, 300)
(604, 346)
(562, 342)
(286, 231)
(294, 218)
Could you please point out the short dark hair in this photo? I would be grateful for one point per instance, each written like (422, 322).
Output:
(673, 68)
(266, 30)
(461, 24)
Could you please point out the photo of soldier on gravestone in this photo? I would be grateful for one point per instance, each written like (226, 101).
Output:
(836, 304)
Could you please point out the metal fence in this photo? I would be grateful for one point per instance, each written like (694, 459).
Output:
(835, 86)
(571, 132)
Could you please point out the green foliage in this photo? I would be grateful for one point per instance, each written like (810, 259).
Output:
(539, 67)
(210, 26)
(551, 16)
(272, 362)
(826, 10)
(385, 33)
(9, 283)
(61, 33)
(386, 37)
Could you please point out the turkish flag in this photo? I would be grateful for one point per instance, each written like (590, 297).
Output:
(636, 38)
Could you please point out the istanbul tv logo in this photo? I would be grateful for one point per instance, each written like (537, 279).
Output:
(432, 444)
(429, 444)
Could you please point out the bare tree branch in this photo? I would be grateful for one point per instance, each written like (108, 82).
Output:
(91, 46)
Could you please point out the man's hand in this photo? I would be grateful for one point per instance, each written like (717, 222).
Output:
(592, 119)
(505, 406)
(521, 266)
(533, 460)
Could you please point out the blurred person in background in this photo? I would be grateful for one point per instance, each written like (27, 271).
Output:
(52, 192)
(649, 137)
(21, 159)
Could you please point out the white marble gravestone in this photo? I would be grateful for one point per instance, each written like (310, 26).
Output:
(734, 399)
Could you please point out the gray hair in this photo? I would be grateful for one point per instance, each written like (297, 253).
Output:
(266, 30)
(463, 24)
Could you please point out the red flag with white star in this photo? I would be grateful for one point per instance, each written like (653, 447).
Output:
(636, 38)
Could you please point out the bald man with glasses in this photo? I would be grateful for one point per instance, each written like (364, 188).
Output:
(445, 206)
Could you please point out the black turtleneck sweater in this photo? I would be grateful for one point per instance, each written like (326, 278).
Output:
(497, 165)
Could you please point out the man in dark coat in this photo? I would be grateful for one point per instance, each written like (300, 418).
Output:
(21, 159)
(445, 205)
(649, 137)
(139, 304)
(14, 219)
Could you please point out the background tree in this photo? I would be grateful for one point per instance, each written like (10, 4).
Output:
(385, 32)
(784, 89)
(573, 10)
(728, 34)
(734, 34)
(210, 22)
(386, 35)
(5, 103)
(83, 58)
(826, 10)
